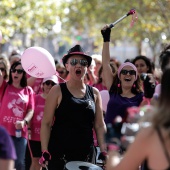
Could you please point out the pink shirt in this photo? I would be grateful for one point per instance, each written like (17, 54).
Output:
(14, 106)
(37, 85)
(100, 86)
(37, 117)
(157, 90)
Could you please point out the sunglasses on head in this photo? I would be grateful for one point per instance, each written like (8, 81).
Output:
(50, 83)
(82, 62)
(131, 72)
(19, 71)
(2, 69)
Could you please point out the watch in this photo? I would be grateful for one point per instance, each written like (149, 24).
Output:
(26, 122)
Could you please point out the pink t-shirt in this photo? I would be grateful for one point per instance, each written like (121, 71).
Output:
(37, 85)
(37, 117)
(157, 91)
(100, 86)
(14, 106)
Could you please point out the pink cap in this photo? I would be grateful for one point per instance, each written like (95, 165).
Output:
(127, 64)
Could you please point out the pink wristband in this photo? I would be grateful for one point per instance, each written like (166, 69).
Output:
(112, 147)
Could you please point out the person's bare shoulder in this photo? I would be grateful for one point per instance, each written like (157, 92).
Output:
(95, 90)
(55, 94)
(55, 90)
(141, 144)
(145, 135)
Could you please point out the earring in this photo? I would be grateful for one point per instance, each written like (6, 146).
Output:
(134, 85)
(118, 85)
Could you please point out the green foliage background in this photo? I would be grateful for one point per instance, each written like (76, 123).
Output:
(87, 16)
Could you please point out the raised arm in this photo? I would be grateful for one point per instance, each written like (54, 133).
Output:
(107, 71)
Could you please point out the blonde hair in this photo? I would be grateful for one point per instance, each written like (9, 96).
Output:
(5, 62)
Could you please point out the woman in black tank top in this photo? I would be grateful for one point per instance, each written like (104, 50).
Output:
(72, 110)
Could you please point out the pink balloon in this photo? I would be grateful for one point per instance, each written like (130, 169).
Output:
(38, 62)
(105, 98)
(0, 36)
(157, 90)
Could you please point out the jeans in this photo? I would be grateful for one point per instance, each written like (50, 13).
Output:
(20, 147)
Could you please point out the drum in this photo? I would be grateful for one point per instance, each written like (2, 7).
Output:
(78, 165)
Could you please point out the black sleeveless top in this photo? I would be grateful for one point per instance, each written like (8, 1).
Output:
(145, 166)
(74, 119)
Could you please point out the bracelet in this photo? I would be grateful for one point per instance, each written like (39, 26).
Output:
(45, 151)
(148, 100)
(104, 153)
(113, 147)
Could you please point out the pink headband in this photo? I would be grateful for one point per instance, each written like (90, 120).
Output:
(127, 64)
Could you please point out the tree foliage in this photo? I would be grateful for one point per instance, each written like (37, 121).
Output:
(153, 18)
(85, 17)
(34, 17)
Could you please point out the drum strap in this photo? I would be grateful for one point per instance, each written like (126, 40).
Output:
(64, 158)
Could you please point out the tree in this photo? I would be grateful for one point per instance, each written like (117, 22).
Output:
(153, 18)
(85, 18)
(34, 17)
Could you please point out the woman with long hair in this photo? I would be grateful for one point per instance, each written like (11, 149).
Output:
(124, 86)
(17, 107)
(4, 68)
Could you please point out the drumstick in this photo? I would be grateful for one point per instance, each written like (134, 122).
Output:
(46, 167)
(131, 12)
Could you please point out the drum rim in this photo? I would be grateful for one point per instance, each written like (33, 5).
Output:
(82, 163)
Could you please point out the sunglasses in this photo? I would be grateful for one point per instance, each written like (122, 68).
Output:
(19, 71)
(61, 72)
(2, 69)
(82, 62)
(50, 83)
(131, 72)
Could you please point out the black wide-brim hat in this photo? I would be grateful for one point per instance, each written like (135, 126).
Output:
(77, 50)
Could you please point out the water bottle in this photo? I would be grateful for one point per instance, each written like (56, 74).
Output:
(29, 136)
(18, 133)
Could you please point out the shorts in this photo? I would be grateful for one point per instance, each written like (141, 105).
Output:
(35, 148)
